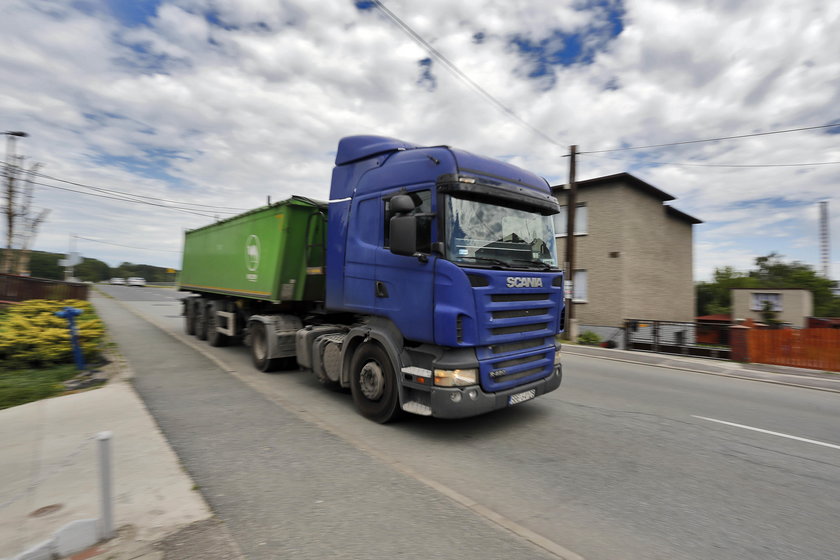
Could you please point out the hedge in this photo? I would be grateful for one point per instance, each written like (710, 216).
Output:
(32, 336)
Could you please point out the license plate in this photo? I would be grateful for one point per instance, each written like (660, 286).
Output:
(522, 397)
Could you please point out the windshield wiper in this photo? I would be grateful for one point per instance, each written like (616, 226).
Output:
(491, 260)
(541, 264)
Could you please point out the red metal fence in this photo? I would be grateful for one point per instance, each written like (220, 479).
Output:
(22, 288)
(805, 348)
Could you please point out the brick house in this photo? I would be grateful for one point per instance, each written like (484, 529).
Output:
(633, 256)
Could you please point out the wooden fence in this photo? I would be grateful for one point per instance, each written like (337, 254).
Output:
(22, 288)
(805, 348)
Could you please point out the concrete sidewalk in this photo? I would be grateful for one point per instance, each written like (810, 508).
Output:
(49, 473)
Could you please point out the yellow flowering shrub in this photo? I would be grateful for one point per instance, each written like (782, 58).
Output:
(31, 335)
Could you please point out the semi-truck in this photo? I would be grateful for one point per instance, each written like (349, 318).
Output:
(427, 284)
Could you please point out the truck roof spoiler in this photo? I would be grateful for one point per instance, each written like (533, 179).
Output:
(354, 148)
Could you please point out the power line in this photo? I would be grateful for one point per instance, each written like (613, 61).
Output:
(736, 166)
(449, 65)
(125, 246)
(176, 209)
(716, 140)
(122, 193)
(458, 73)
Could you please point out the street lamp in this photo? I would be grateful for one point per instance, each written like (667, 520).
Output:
(12, 135)
(10, 146)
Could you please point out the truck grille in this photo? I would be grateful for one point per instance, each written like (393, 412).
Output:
(519, 313)
(514, 315)
(503, 298)
(506, 371)
(519, 328)
(517, 346)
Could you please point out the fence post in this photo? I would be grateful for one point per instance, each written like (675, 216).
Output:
(739, 343)
(106, 518)
(655, 326)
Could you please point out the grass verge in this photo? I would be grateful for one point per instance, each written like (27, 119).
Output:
(26, 385)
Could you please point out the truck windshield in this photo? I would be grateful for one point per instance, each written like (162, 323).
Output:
(487, 234)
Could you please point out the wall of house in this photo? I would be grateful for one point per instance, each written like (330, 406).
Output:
(658, 271)
(604, 274)
(797, 305)
(638, 258)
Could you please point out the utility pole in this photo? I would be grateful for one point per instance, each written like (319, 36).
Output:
(11, 168)
(571, 205)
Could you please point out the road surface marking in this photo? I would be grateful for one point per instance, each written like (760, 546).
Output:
(797, 438)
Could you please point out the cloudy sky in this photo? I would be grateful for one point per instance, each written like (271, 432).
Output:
(196, 109)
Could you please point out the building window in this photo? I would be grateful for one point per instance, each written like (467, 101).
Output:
(578, 287)
(758, 301)
(581, 221)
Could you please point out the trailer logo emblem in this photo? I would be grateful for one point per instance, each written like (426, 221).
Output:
(252, 256)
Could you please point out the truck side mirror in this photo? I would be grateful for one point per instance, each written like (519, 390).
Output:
(404, 235)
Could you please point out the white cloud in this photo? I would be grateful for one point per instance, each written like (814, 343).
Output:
(229, 102)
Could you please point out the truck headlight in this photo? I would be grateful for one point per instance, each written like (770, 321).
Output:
(557, 357)
(456, 377)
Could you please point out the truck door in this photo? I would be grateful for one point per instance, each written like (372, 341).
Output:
(404, 285)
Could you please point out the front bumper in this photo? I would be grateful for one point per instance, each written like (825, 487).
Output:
(458, 402)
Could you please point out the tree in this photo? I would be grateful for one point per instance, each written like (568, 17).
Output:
(716, 297)
(92, 270)
(45, 265)
(772, 272)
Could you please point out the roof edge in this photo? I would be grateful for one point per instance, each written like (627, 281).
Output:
(679, 214)
(632, 180)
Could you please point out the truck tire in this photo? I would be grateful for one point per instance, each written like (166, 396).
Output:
(201, 318)
(259, 348)
(189, 316)
(374, 384)
(214, 337)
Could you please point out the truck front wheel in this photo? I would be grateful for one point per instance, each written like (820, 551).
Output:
(259, 348)
(373, 383)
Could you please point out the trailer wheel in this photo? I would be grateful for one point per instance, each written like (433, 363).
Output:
(373, 383)
(189, 316)
(214, 337)
(259, 348)
(201, 319)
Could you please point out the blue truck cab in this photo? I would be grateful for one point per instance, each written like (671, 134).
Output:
(450, 258)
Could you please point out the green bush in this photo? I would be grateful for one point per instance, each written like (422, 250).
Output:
(588, 338)
(32, 336)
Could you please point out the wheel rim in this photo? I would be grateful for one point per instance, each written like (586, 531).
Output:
(371, 381)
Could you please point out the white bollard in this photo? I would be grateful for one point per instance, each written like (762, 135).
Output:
(106, 518)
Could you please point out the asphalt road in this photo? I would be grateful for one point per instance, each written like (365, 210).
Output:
(624, 461)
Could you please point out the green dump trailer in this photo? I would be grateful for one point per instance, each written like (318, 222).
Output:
(274, 254)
